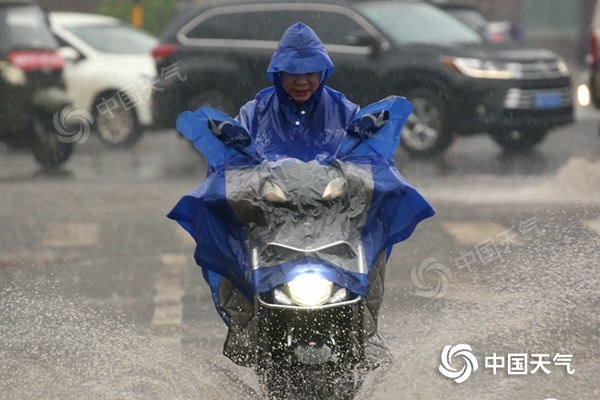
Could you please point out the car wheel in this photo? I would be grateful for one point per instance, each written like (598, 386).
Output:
(46, 146)
(214, 99)
(115, 124)
(519, 140)
(426, 132)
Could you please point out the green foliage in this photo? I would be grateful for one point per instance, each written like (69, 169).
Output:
(157, 13)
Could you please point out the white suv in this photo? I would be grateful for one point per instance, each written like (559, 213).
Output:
(109, 73)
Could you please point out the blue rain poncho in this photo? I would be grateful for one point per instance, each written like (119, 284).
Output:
(233, 222)
(302, 149)
(279, 126)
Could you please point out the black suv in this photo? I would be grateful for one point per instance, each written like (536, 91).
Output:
(32, 90)
(458, 82)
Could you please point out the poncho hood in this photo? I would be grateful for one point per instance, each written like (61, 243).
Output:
(300, 51)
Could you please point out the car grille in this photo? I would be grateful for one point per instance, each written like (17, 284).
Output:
(45, 76)
(535, 70)
(524, 99)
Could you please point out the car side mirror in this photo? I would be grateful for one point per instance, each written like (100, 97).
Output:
(364, 39)
(69, 54)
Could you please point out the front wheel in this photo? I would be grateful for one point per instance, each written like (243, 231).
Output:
(46, 145)
(517, 141)
(302, 382)
(116, 123)
(215, 99)
(426, 132)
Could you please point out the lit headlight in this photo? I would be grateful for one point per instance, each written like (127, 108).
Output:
(583, 95)
(483, 68)
(310, 290)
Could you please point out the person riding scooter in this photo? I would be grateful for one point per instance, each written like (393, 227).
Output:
(299, 117)
(33, 98)
(336, 167)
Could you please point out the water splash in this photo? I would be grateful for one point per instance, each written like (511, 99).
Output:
(55, 348)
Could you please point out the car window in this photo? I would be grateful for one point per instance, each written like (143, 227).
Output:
(240, 26)
(116, 38)
(332, 28)
(418, 23)
(24, 27)
(62, 42)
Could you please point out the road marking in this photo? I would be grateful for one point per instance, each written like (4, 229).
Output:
(21, 259)
(476, 232)
(71, 235)
(167, 318)
(168, 308)
(593, 224)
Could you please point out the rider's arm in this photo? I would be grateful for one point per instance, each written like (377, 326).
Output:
(245, 115)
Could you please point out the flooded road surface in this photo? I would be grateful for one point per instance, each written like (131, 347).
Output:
(100, 297)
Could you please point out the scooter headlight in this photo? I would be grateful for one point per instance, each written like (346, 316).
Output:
(310, 290)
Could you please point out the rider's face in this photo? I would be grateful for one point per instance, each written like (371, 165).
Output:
(300, 86)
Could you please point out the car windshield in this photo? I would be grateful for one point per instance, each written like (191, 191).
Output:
(24, 27)
(470, 17)
(408, 23)
(117, 38)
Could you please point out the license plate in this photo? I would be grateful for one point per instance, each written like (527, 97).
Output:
(546, 101)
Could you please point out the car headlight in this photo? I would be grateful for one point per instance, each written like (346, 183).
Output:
(310, 290)
(583, 95)
(12, 75)
(489, 69)
(562, 66)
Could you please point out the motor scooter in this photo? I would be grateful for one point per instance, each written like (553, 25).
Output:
(295, 252)
(33, 96)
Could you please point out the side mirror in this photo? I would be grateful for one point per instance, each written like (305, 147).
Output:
(217, 136)
(364, 39)
(232, 135)
(69, 54)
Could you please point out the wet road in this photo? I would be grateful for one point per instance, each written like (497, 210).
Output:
(100, 298)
